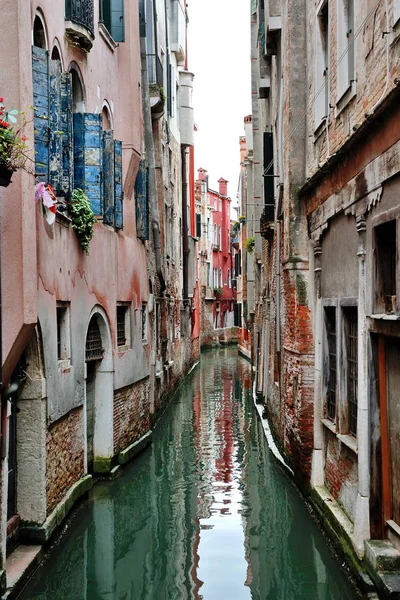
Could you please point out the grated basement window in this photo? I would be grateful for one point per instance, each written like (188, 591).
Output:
(94, 347)
(121, 319)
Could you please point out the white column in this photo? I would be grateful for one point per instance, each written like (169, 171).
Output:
(317, 467)
(361, 519)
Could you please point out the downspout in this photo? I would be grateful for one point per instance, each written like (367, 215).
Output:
(149, 144)
(185, 239)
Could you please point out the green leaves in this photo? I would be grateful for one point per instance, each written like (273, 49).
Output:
(83, 218)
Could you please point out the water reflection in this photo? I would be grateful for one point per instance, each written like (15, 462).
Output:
(204, 513)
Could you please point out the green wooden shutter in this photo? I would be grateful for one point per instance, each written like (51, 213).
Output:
(118, 193)
(88, 158)
(40, 76)
(108, 177)
(142, 203)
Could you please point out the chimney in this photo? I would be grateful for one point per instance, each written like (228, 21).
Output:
(223, 186)
(202, 174)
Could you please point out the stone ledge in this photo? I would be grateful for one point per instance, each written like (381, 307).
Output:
(42, 533)
(382, 556)
(126, 455)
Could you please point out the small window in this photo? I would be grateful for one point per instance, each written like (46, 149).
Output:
(330, 324)
(121, 325)
(39, 35)
(229, 278)
(208, 274)
(385, 246)
(221, 283)
(112, 15)
(351, 342)
(144, 321)
(322, 65)
(63, 331)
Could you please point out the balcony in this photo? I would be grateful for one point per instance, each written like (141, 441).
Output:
(79, 23)
(267, 221)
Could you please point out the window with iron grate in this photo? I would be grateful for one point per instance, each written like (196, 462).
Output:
(351, 334)
(330, 324)
(121, 325)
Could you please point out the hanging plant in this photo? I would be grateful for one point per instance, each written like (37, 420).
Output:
(83, 218)
(242, 219)
(235, 228)
(249, 244)
(13, 146)
(218, 291)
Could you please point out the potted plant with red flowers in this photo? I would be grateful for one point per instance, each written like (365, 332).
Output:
(13, 147)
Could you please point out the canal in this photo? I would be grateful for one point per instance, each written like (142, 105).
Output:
(204, 512)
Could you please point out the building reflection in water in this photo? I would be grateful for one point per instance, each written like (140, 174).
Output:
(203, 513)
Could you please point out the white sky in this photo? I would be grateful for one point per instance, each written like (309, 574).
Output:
(219, 57)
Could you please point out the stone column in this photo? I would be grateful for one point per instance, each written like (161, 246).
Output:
(361, 520)
(317, 469)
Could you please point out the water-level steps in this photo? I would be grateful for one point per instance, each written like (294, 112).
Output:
(383, 560)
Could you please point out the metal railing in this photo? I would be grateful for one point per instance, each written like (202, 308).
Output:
(81, 12)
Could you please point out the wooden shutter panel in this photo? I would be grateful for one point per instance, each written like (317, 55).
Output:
(60, 157)
(40, 76)
(67, 161)
(108, 177)
(88, 158)
(118, 194)
(142, 203)
(55, 152)
(117, 20)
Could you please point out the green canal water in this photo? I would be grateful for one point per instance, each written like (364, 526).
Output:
(204, 512)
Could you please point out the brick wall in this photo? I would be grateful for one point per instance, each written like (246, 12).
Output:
(131, 414)
(64, 456)
(341, 473)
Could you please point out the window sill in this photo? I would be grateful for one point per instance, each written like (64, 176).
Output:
(345, 98)
(329, 425)
(348, 440)
(384, 317)
(104, 33)
(63, 219)
(123, 349)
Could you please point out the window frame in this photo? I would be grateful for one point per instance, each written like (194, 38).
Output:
(63, 333)
(126, 308)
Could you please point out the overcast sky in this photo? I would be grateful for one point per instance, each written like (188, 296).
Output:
(219, 57)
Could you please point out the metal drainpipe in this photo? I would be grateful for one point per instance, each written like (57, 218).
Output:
(149, 143)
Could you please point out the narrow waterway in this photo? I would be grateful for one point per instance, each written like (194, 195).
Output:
(204, 512)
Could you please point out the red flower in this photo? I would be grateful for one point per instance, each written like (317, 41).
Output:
(4, 124)
(1, 99)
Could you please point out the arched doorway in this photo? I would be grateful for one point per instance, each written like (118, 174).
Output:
(99, 447)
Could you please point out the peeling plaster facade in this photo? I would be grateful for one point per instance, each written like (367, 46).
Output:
(325, 340)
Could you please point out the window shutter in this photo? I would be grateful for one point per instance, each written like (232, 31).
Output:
(198, 225)
(118, 193)
(67, 161)
(108, 177)
(40, 76)
(60, 121)
(88, 161)
(142, 203)
(55, 152)
(117, 20)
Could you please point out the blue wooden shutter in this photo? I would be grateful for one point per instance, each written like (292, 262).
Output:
(40, 76)
(88, 158)
(142, 203)
(108, 177)
(117, 20)
(60, 122)
(55, 143)
(67, 162)
(118, 193)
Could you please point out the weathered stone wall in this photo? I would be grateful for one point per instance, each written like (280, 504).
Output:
(131, 414)
(341, 473)
(65, 456)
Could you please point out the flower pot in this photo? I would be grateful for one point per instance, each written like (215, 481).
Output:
(5, 175)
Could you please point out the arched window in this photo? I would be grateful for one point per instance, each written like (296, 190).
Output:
(106, 119)
(229, 278)
(221, 283)
(55, 54)
(39, 34)
(78, 97)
